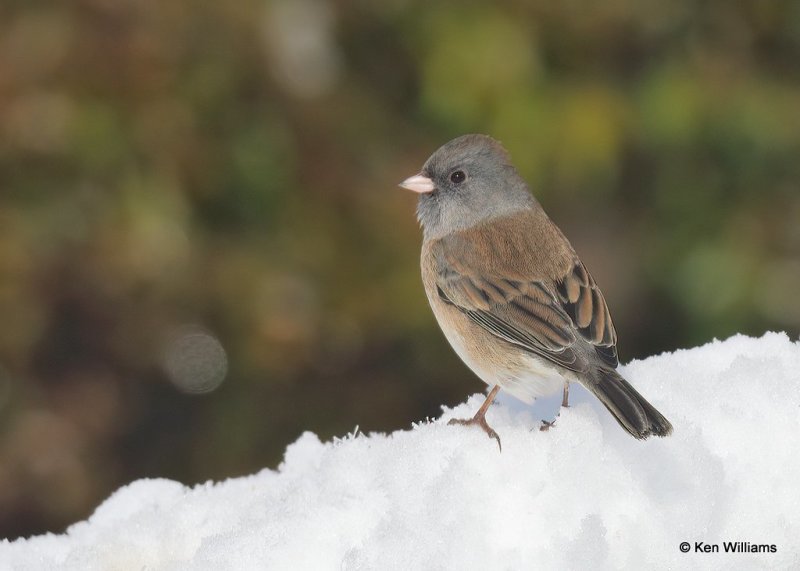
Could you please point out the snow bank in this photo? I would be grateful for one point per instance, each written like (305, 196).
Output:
(583, 495)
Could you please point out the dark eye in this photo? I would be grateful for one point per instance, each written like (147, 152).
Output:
(458, 177)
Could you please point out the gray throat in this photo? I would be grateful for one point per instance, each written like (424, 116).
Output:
(440, 215)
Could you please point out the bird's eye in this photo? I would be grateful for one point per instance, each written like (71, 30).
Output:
(458, 177)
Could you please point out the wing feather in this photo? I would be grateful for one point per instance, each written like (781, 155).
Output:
(545, 317)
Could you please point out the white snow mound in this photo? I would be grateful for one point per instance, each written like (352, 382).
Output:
(582, 495)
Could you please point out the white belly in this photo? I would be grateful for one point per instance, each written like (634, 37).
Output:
(521, 375)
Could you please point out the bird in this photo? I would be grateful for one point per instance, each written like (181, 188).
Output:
(510, 293)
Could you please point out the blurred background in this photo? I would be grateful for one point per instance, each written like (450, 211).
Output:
(204, 251)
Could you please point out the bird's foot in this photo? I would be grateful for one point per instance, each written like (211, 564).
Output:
(547, 425)
(480, 421)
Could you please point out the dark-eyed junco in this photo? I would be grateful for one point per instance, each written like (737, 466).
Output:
(510, 293)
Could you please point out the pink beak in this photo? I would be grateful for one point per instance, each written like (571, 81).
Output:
(419, 183)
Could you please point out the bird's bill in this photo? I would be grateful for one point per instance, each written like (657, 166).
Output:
(418, 183)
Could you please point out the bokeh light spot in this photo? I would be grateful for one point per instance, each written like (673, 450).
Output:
(195, 360)
(301, 46)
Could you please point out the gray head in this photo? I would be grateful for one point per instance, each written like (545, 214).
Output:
(467, 181)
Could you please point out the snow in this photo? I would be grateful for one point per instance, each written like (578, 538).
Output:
(582, 495)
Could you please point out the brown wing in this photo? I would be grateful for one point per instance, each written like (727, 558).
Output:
(583, 301)
(543, 316)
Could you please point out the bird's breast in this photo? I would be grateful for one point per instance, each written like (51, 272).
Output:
(494, 360)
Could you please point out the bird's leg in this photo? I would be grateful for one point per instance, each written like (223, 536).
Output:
(480, 417)
(546, 425)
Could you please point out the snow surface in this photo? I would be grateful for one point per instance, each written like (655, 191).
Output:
(582, 495)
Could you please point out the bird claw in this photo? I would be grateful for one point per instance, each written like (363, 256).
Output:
(546, 425)
(480, 422)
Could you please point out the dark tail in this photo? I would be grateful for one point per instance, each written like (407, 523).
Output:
(637, 416)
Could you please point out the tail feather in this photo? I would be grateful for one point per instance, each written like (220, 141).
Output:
(637, 416)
